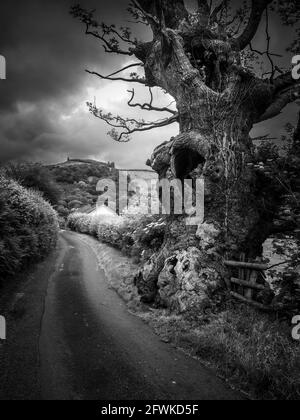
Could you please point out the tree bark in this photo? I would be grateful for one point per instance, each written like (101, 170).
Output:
(218, 102)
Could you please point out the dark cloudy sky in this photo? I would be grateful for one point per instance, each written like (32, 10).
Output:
(43, 116)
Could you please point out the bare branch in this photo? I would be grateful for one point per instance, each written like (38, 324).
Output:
(273, 68)
(102, 31)
(285, 91)
(148, 106)
(135, 79)
(258, 8)
(284, 81)
(137, 15)
(263, 52)
(278, 105)
(139, 21)
(162, 13)
(217, 10)
(125, 68)
(267, 52)
(151, 18)
(122, 37)
(109, 47)
(128, 125)
(279, 264)
(149, 126)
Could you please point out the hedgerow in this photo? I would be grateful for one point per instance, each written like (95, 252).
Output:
(28, 227)
(134, 235)
(35, 176)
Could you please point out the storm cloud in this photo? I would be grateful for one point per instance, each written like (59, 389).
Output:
(43, 113)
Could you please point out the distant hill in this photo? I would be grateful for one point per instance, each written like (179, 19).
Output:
(76, 170)
(77, 178)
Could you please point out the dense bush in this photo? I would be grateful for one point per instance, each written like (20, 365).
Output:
(132, 234)
(75, 204)
(28, 227)
(35, 176)
(278, 171)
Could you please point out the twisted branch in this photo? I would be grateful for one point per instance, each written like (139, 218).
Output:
(135, 79)
(258, 8)
(128, 125)
(148, 106)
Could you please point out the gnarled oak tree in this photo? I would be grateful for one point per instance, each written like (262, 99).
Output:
(206, 61)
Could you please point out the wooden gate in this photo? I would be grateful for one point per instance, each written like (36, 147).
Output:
(249, 279)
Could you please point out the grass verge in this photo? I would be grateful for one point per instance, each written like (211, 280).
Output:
(252, 350)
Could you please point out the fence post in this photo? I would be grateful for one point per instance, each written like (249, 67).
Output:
(242, 273)
(252, 280)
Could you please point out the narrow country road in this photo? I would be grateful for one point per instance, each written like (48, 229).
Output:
(72, 337)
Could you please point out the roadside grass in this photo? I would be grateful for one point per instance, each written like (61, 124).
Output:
(254, 351)
(119, 271)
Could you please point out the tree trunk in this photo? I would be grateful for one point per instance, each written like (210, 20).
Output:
(236, 219)
(218, 102)
(213, 143)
